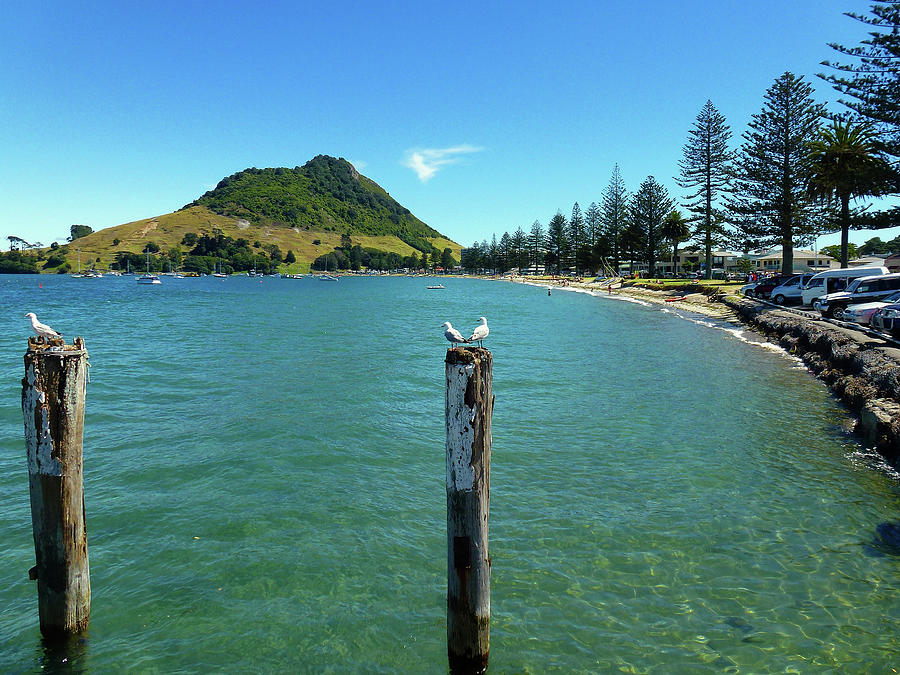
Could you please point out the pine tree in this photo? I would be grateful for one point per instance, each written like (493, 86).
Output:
(504, 251)
(577, 237)
(649, 207)
(536, 242)
(557, 241)
(770, 199)
(707, 168)
(614, 213)
(871, 83)
(520, 248)
(592, 230)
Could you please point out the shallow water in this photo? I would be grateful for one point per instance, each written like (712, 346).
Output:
(264, 478)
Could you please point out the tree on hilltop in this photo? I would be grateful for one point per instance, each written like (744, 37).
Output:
(707, 168)
(79, 231)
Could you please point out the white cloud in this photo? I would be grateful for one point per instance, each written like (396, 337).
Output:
(427, 161)
(358, 164)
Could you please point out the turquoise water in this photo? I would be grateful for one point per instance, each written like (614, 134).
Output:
(264, 481)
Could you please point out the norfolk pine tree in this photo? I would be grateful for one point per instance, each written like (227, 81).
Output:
(557, 241)
(649, 207)
(577, 237)
(707, 167)
(871, 84)
(773, 168)
(613, 214)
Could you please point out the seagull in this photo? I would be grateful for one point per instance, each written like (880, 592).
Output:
(480, 333)
(452, 335)
(40, 329)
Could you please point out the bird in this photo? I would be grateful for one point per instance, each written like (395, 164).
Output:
(40, 329)
(452, 335)
(480, 333)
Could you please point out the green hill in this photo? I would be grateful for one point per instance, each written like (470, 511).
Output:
(325, 194)
(308, 210)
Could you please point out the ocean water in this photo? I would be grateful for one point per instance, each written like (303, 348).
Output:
(264, 485)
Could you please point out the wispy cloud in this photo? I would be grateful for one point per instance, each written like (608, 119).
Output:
(427, 161)
(358, 164)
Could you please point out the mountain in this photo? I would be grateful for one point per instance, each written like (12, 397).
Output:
(325, 194)
(305, 210)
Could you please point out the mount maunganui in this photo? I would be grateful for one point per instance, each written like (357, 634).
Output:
(305, 209)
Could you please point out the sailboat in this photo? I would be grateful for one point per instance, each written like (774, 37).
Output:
(326, 276)
(219, 274)
(148, 278)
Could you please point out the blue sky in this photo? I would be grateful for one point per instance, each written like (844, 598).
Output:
(478, 117)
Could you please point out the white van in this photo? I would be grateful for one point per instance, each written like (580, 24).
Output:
(832, 281)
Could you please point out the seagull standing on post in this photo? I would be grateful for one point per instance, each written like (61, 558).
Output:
(40, 329)
(452, 335)
(480, 333)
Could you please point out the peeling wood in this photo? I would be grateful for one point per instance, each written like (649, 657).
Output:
(53, 395)
(469, 409)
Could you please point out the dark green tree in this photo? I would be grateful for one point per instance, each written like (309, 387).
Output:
(79, 231)
(846, 165)
(613, 214)
(289, 257)
(707, 169)
(675, 230)
(447, 260)
(870, 82)
(770, 199)
(536, 244)
(557, 241)
(649, 207)
(577, 238)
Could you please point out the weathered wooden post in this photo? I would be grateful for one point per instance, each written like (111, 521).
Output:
(469, 406)
(53, 406)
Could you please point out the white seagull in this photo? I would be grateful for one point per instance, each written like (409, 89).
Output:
(480, 333)
(41, 329)
(452, 335)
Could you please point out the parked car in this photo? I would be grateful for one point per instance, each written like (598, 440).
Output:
(887, 319)
(747, 289)
(832, 281)
(865, 289)
(790, 291)
(764, 287)
(862, 313)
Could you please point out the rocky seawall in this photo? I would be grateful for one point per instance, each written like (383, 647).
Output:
(862, 370)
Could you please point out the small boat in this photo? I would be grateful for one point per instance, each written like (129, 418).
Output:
(676, 299)
(148, 278)
(434, 288)
(326, 277)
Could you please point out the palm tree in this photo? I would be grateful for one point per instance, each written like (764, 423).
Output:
(845, 165)
(675, 230)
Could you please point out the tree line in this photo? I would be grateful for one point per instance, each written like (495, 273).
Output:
(799, 172)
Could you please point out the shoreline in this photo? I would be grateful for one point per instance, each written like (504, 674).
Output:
(860, 369)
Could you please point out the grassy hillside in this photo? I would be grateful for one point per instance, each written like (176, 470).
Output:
(304, 210)
(324, 195)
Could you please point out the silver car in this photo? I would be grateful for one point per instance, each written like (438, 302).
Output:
(862, 313)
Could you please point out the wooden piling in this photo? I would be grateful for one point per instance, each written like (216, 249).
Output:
(469, 406)
(53, 392)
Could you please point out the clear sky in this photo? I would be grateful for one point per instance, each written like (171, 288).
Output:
(477, 116)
